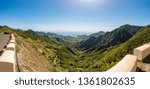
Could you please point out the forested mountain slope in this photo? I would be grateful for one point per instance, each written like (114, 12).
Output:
(109, 39)
(42, 53)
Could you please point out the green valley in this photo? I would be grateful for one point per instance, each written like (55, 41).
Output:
(51, 52)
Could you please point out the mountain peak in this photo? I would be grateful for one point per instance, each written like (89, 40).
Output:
(110, 39)
(125, 26)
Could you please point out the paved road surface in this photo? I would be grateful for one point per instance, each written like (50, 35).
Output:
(4, 39)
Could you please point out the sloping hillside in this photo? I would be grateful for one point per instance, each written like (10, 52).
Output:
(31, 60)
(41, 53)
(112, 56)
(58, 56)
(85, 37)
(64, 40)
(109, 39)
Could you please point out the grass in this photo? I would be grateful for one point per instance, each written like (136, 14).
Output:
(64, 58)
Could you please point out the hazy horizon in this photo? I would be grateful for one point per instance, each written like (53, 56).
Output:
(69, 33)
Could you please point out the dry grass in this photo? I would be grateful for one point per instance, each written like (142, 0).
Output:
(31, 60)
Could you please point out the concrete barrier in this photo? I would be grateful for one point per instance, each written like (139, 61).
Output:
(127, 64)
(142, 52)
(7, 60)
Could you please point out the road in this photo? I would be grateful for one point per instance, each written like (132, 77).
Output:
(4, 39)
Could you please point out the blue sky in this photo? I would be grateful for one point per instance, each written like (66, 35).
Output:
(73, 15)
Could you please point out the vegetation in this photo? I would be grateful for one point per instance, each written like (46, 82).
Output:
(109, 39)
(63, 58)
(116, 54)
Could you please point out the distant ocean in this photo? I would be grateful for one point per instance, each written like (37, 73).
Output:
(73, 34)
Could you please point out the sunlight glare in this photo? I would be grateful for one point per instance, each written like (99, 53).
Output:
(90, 2)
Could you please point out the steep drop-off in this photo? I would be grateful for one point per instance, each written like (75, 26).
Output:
(109, 39)
(42, 53)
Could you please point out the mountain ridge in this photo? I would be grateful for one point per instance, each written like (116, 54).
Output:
(42, 53)
(109, 39)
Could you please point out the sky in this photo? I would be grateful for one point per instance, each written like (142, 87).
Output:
(73, 16)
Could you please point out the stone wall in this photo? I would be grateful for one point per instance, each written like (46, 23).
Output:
(7, 59)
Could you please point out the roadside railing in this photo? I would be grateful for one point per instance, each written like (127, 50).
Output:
(129, 62)
(7, 59)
